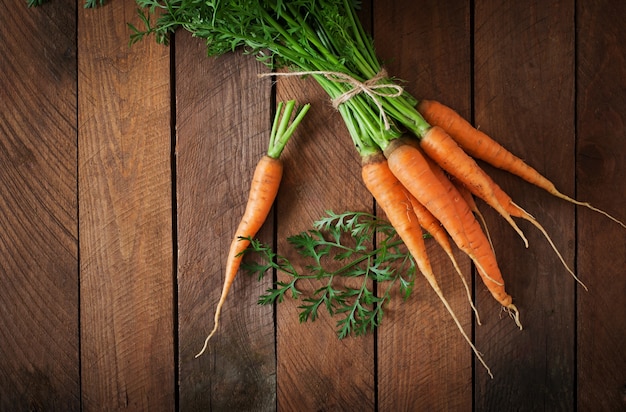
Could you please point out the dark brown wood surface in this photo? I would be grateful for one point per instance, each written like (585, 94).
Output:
(125, 215)
(39, 276)
(124, 171)
(524, 95)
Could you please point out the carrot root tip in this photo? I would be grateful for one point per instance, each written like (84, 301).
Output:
(206, 342)
(485, 229)
(217, 323)
(514, 313)
(538, 225)
(465, 285)
(619, 222)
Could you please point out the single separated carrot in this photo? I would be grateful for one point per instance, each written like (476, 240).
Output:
(263, 190)
(481, 146)
(395, 201)
(441, 148)
(411, 168)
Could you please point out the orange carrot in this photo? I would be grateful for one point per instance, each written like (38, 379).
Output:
(469, 198)
(433, 226)
(481, 146)
(263, 190)
(475, 234)
(411, 168)
(394, 200)
(440, 147)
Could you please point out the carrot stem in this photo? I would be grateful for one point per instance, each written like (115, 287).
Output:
(281, 129)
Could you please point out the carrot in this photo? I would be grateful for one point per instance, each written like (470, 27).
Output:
(411, 168)
(440, 147)
(433, 226)
(479, 145)
(394, 200)
(475, 233)
(263, 190)
(469, 198)
(513, 210)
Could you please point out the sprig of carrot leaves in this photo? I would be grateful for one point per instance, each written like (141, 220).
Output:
(352, 260)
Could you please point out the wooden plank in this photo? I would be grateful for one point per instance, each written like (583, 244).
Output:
(524, 98)
(424, 363)
(126, 247)
(601, 166)
(223, 122)
(39, 365)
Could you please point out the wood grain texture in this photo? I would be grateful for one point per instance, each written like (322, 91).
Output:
(601, 167)
(223, 114)
(126, 256)
(39, 368)
(524, 60)
(424, 363)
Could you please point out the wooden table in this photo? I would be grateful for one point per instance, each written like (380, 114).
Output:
(123, 171)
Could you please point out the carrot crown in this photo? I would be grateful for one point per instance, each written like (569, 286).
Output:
(281, 129)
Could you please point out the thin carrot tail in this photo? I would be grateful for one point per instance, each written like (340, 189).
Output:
(587, 205)
(217, 322)
(439, 293)
(509, 219)
(432, 225)
(483, 223)
(538, 225)
(243, 243)
(465, 285)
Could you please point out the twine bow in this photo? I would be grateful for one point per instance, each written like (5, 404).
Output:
(370, 87)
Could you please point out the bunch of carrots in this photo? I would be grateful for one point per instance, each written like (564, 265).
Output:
(409, 180)
(418, 157)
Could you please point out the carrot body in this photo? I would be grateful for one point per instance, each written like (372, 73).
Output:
(482, 146)
(263, 191)
(479, 144)
(395, 201)
(440, 147)
(412, 169)
(467, 195)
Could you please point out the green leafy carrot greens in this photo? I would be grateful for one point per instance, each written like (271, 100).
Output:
(345, 242)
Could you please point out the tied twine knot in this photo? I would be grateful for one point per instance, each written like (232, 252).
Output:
(370, 87)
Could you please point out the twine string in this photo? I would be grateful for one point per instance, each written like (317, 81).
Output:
(370, 87)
